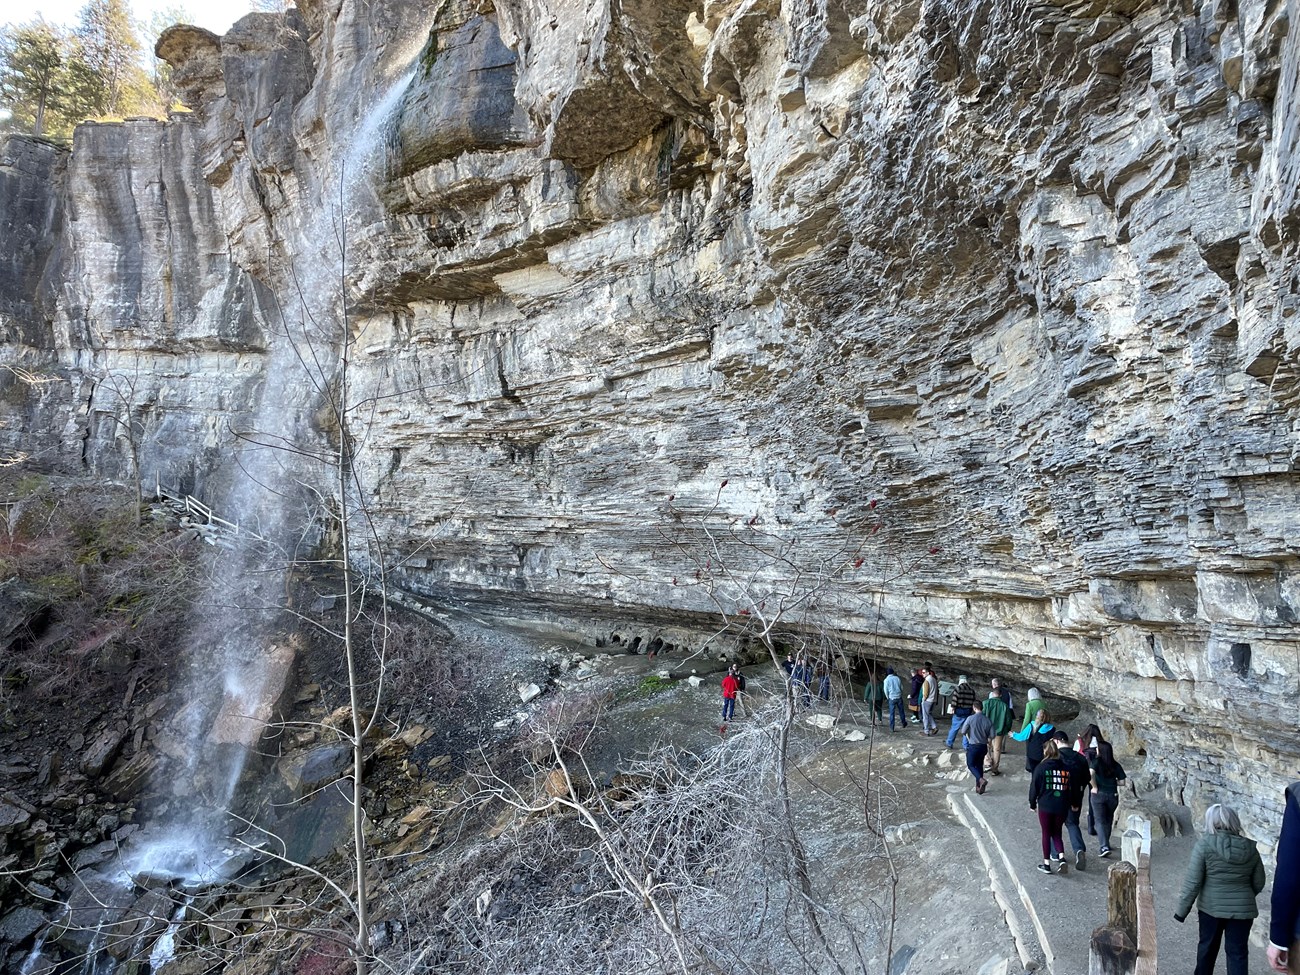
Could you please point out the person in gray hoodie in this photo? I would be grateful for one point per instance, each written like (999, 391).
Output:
(1225, 876)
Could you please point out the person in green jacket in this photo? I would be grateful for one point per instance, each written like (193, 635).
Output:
(1225, 875)
(873, 694)
(1033, 704)
(995, 709)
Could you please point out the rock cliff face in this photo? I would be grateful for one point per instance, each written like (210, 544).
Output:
(960, 329)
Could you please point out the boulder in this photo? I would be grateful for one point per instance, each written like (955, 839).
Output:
(306, 772)
(529, 692)
(143, 921)
(95, 901)
(20, 924)
(103, 749)
(93, 856)
(246, 711)
(12, 816)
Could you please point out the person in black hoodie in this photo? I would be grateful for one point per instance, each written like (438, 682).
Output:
(1049, 795)
(1080, 776)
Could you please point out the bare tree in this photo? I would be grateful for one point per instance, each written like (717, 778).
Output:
(128, 414)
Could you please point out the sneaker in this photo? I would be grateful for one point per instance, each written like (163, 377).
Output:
(1105, 852)
(1081, 859)
(1044, 868)
(1063, 868)
(981, 785)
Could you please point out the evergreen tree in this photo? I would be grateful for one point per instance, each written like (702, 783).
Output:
(115, 83)
(33, 71)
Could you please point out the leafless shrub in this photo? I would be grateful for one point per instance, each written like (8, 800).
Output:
(682, 864)
(99, 591)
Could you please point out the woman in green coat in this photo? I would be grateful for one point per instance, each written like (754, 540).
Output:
(1033, 704)
(1226, 875)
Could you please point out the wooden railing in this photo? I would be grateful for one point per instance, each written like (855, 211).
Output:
(1126, 943)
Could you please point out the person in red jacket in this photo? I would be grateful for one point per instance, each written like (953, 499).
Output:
(730, 685)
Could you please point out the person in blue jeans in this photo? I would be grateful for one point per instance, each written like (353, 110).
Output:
(963, 706)
(976, 732)
(893, 689)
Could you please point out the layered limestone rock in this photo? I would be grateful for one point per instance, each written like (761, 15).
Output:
(951, 328)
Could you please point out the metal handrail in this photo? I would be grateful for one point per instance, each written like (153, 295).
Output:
(197, 508)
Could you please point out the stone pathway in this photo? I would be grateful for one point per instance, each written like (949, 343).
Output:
(1049, 919)
(1052, 917)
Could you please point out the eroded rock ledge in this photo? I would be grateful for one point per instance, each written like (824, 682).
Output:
(1014, 282)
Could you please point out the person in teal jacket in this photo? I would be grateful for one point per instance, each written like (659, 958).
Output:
(1035, 738)
(1225, 876)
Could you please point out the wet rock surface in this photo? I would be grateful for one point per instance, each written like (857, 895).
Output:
(997, 299)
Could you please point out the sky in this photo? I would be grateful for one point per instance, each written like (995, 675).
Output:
(215, 15)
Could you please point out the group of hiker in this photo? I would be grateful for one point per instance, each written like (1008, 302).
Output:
(1225, 874)
(1062, 774)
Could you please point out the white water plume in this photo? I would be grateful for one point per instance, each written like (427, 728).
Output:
(271, 465)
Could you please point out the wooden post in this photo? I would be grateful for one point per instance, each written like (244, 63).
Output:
(1113, 949)
(1121, 899)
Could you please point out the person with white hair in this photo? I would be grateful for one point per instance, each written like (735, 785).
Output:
(1224, 878)
(1033, 704)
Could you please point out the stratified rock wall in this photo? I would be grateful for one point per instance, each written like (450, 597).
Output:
(957, 329)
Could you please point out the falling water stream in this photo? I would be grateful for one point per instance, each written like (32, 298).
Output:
(229, 688)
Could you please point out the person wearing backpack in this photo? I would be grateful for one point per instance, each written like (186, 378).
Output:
(1035, 738)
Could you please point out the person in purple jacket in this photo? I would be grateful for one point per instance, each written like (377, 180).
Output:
(1284, 928)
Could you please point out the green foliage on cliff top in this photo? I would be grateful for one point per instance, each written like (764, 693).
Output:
(51, 79)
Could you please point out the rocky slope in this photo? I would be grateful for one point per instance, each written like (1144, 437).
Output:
(997, 298)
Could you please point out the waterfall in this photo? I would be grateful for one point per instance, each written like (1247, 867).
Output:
(239, 667)
(299, 368)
